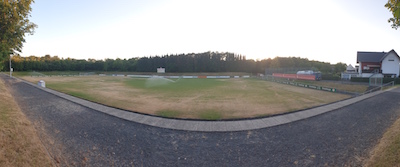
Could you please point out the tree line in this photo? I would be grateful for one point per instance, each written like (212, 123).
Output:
(193, 62)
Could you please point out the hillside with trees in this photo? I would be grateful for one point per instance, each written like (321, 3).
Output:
(182, 63)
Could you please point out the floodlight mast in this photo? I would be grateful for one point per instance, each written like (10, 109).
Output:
(10, 67)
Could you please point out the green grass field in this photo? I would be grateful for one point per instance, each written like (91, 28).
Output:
(174, 85)
(211, 99)
(56, 73)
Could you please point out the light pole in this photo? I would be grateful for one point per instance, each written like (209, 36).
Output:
(10, 67)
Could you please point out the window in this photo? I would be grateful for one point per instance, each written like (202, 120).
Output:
(391, 59)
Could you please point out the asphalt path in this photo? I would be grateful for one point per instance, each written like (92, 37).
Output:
(78, 136)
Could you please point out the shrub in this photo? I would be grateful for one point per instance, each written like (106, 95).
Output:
(330, 77)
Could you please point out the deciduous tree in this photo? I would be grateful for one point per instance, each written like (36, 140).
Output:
(393, 6)
(14, 24)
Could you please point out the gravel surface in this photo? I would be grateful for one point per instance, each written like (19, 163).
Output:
(79, 136)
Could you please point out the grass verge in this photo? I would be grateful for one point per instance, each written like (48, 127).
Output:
(387, 152)
(19, 143)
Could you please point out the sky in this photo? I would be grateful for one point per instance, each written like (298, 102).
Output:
(323, 30)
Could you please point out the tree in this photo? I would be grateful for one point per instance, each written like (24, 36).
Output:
(394, 7)
(14, 24)
(339, 67)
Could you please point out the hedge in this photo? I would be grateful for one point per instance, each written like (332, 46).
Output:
(330, 77)
(359, 79)
(385, 80)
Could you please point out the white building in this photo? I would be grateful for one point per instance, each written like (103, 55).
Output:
(160, 70)
(350, 72)
(384, 63)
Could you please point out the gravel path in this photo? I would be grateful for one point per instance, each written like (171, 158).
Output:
(79, 136)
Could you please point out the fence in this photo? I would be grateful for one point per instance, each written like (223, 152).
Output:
(379, 88)
(292, 70)
(366, 80)
(288, 82)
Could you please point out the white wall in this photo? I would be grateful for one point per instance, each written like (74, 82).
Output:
(391, 67)
(348, 75)
(365, 75)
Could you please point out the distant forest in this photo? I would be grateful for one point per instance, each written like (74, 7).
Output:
(193, 62)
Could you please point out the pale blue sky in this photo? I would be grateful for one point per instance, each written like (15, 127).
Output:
(324, 30)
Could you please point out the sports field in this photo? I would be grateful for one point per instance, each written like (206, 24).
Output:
(210, 99)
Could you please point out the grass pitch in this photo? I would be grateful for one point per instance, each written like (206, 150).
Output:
(211, 99)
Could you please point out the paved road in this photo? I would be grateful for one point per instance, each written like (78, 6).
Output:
(79, 136)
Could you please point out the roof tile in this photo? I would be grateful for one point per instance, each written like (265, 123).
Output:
(370, 56)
